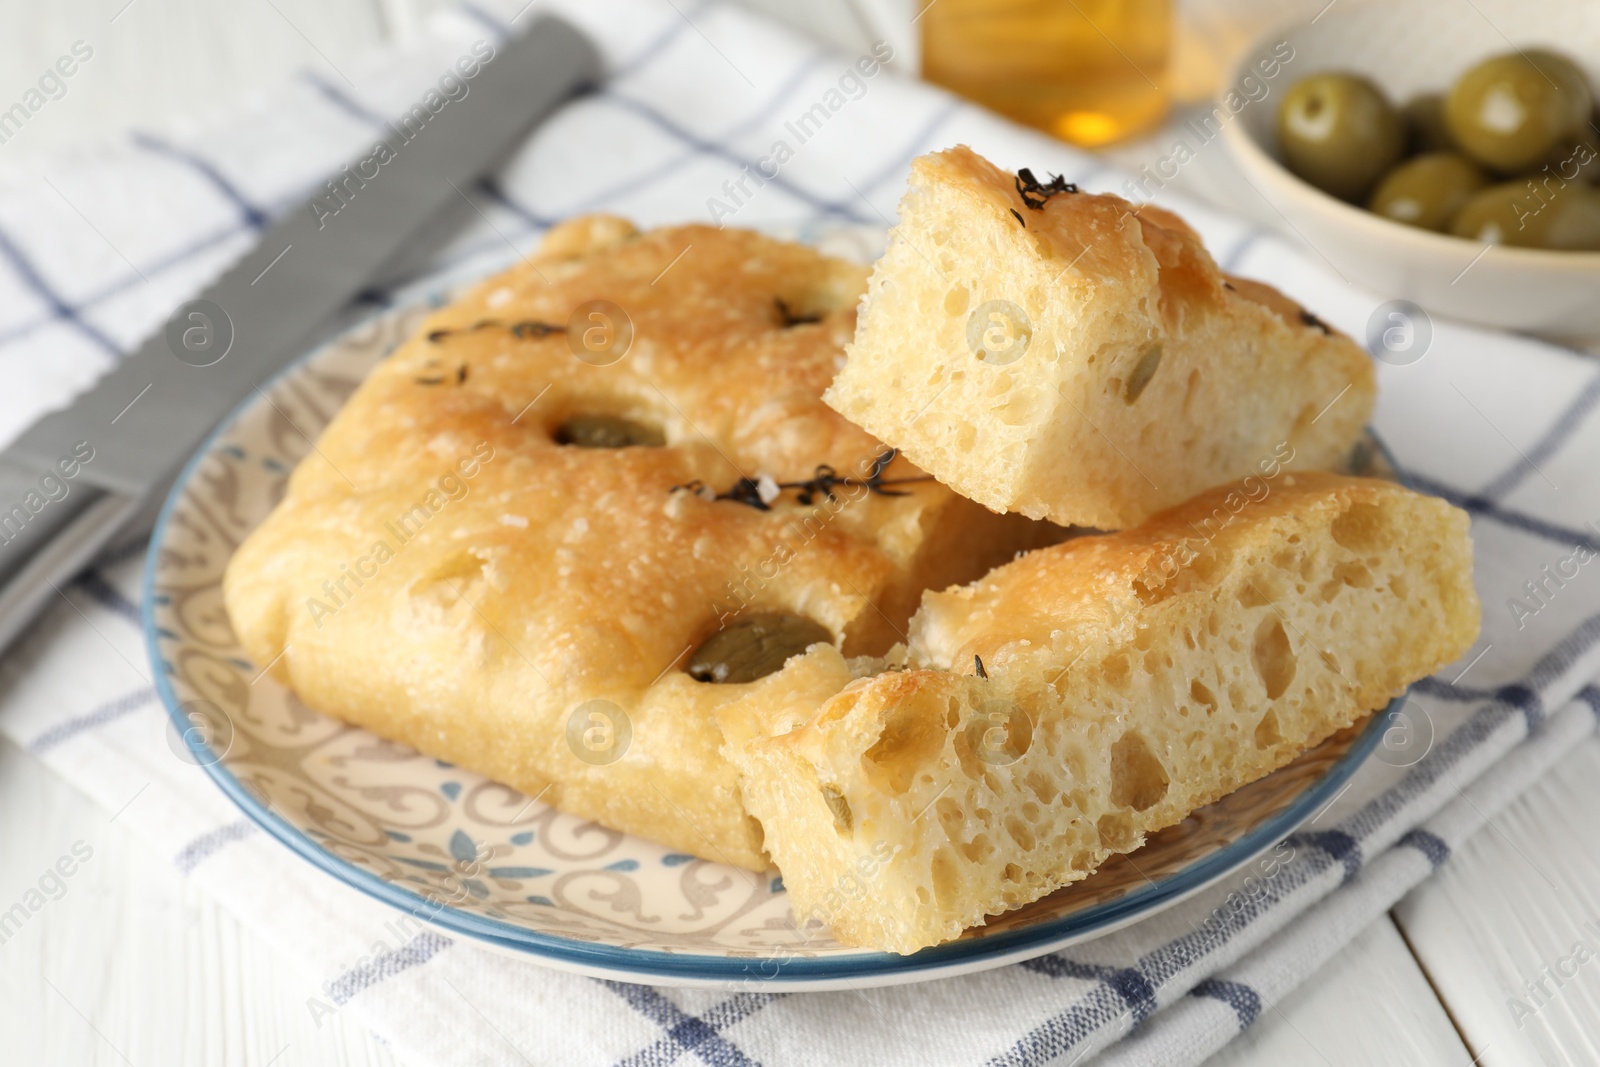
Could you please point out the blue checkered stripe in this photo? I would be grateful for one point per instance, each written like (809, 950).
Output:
(96, 319)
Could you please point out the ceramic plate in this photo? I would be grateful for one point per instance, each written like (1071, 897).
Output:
(475, 858)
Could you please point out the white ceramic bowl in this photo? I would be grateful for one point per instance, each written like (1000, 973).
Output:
(1409, 47)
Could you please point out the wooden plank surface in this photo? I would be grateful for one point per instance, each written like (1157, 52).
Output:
(1522, 896)
(1370, 1005)
(126, 963)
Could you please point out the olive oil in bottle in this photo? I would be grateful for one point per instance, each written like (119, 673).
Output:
(1089, 71)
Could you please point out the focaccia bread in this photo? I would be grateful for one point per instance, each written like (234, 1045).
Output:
(1126, 680)
(1063, 354)
(447, 573)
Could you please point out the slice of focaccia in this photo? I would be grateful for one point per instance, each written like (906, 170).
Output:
(1060, 353)
(1130, 678)
(515, 545)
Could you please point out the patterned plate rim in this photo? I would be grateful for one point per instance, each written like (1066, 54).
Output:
(690, 968)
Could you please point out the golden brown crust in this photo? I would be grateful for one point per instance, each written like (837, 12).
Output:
(1096, 584)
(559, 575)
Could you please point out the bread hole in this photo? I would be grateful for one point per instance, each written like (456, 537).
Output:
(913, 735)
(1143, 371)
(951, 817)
(1267, 732)
(1399, 586)
(1117, 831)
(1039, 785)
(1353, 574)
(1269, 586)
(1250, 596)
(1020, 832)
(956, 300)
(1114, 670)
(966, 437)
(1362, 529)
(838, 708)
(978, 849)
(1138, 780)
(1152, 587)
(843, 821)
(1273, 657)
(1202, 694)
(607, 431)
(1209, 563)
(1081, 860)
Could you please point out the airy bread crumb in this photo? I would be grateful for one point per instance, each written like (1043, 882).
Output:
(1070, 356)
(1131, 678)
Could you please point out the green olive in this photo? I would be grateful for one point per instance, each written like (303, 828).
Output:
(1510, 112)
(1426, 128)
(607, 431)
(1339, 133)
(1572, 82)
(1533, 214)
(754, 647)
(1427, 191)
(1575, 158)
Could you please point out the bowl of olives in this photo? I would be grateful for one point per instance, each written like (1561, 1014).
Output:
(1446, 159)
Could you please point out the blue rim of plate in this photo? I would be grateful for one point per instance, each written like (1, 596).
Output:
(645, 964)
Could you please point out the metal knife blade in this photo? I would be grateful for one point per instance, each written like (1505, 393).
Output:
(144, 417)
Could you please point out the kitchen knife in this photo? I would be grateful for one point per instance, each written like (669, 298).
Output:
(143, 418)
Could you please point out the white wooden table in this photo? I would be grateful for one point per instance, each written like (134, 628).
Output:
(134, 963)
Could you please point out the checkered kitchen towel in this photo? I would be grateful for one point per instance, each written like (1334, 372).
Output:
(97, 246)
